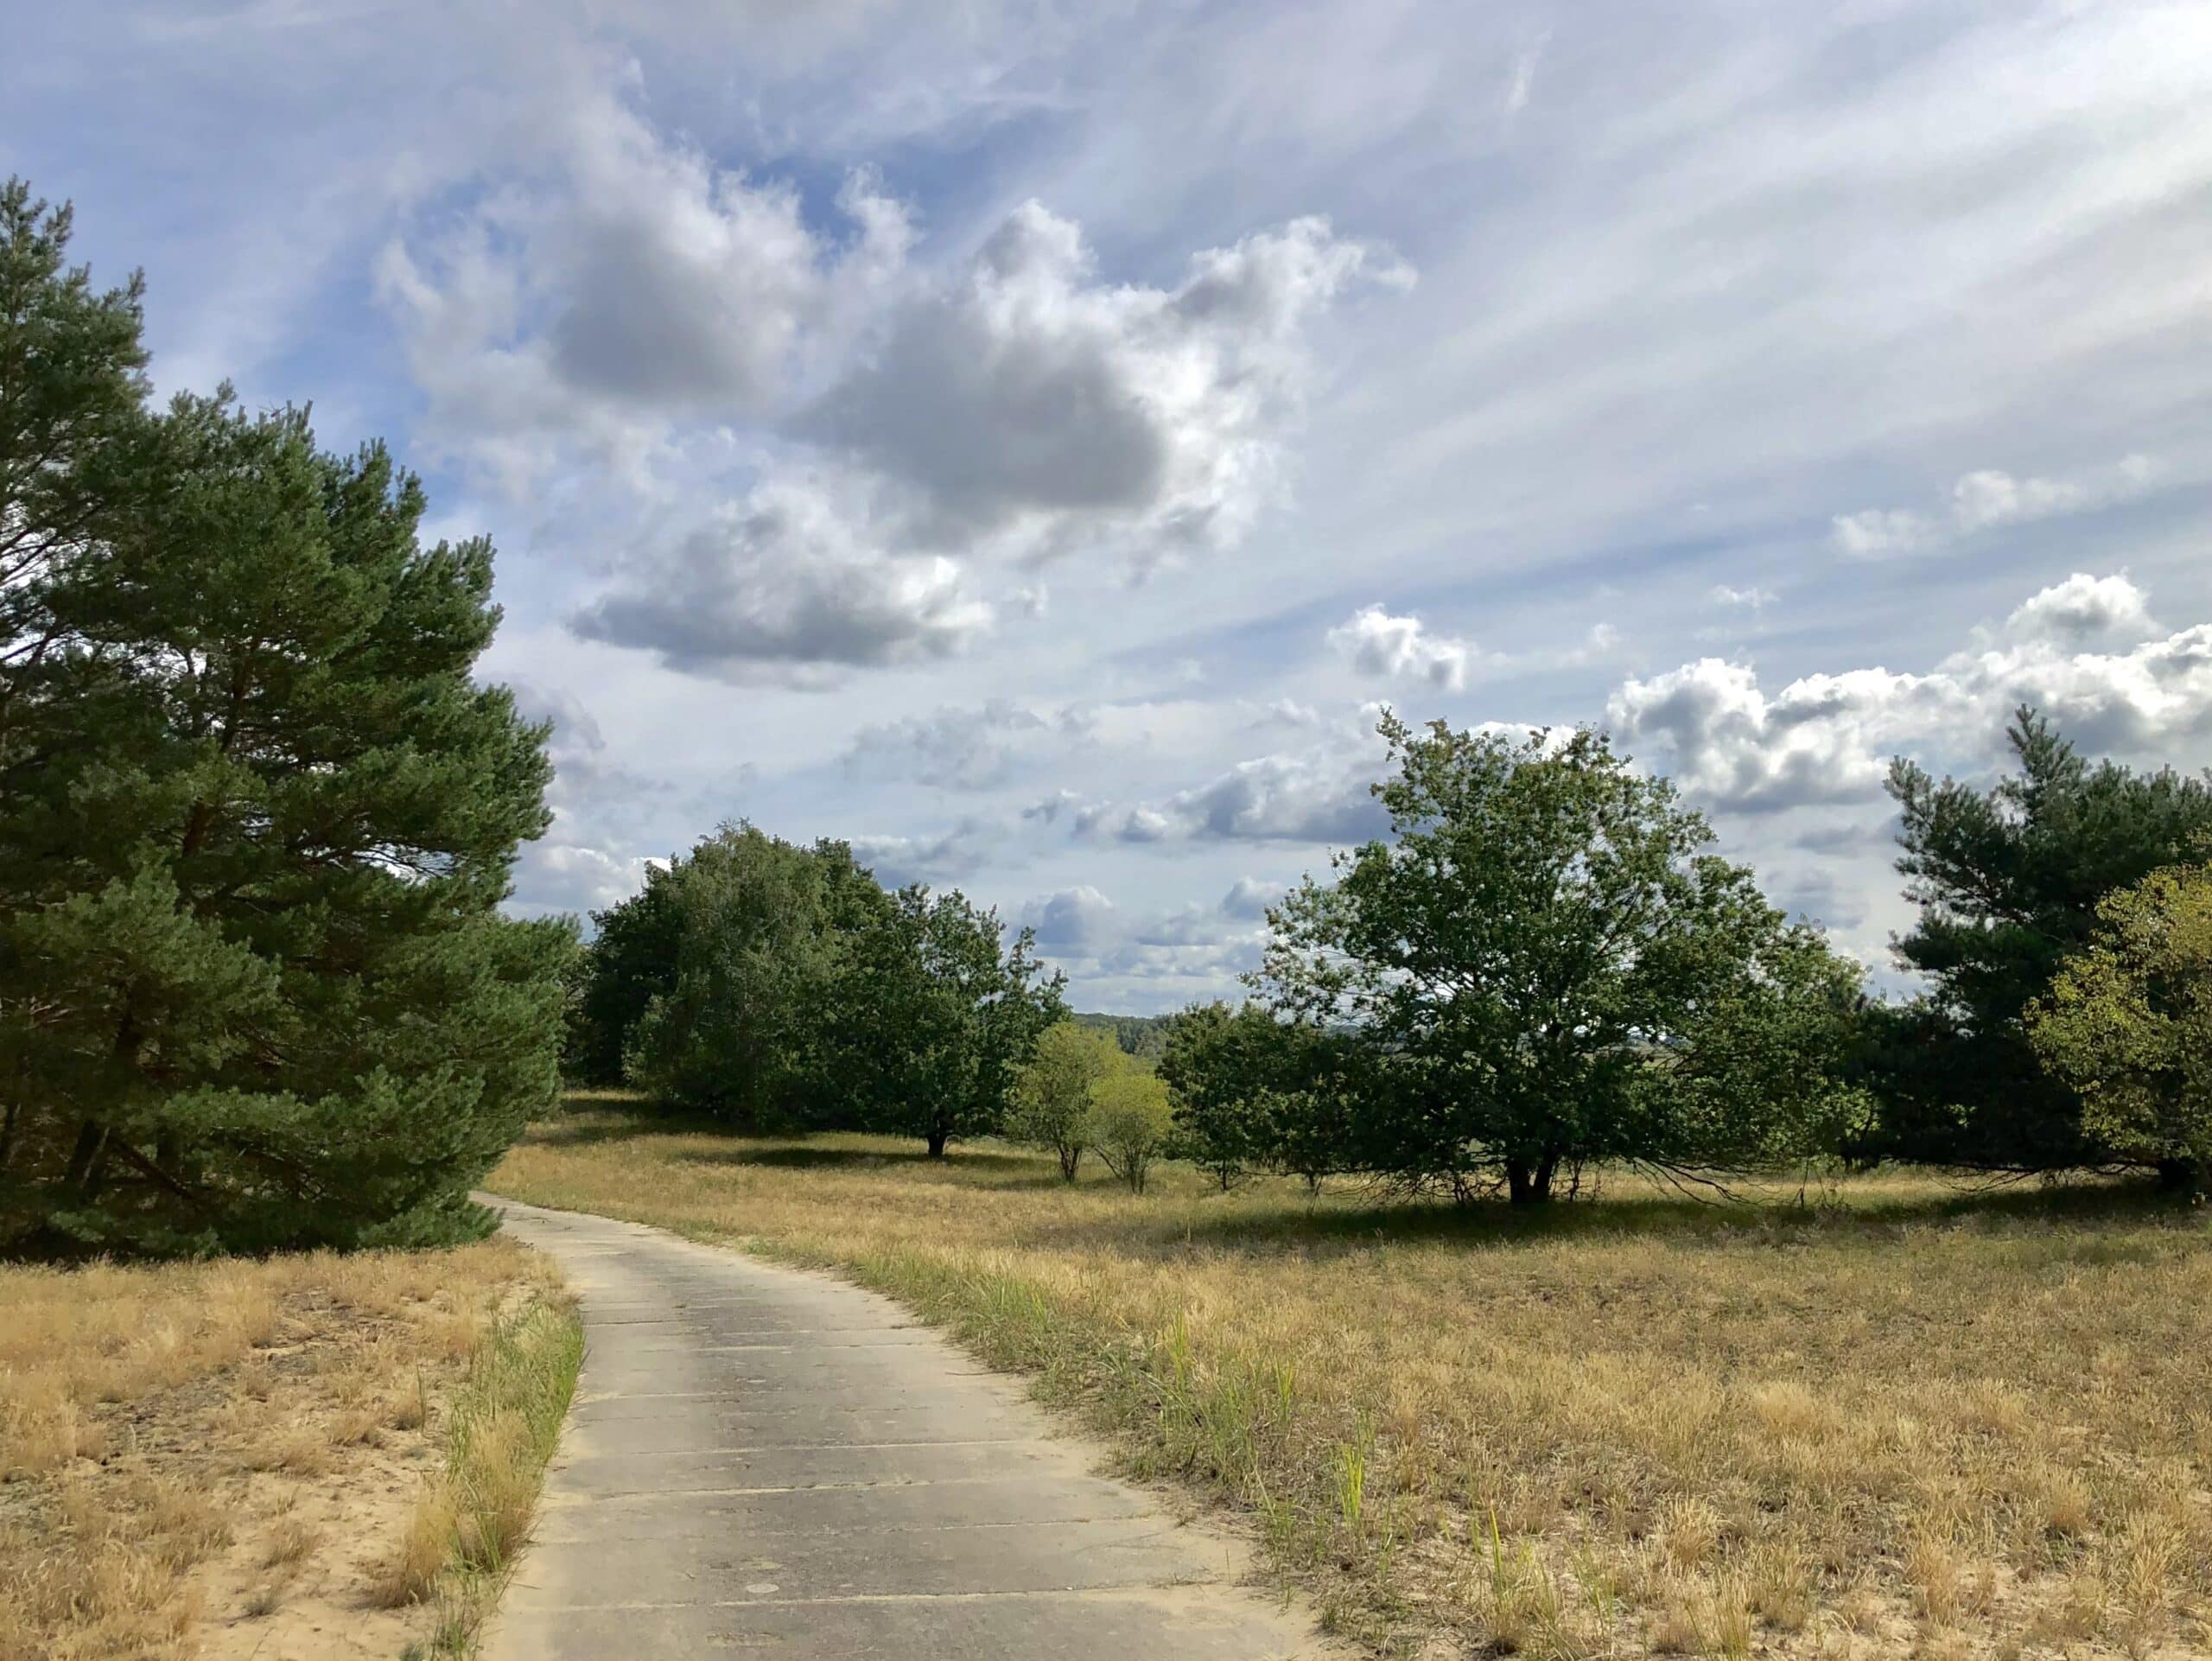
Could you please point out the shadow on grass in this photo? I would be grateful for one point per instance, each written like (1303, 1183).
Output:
(786, 1153)
(1353, 1220)
(599, 1123)
(2080, 1209)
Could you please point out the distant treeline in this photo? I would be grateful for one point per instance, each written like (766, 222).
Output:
(1544, 967)
(1142, 1036)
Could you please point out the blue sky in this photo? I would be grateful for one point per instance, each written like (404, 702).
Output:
(1033, 441)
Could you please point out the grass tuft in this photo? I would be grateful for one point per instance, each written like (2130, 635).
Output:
(475, 1514)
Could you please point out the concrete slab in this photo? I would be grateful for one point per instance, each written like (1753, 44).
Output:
(772, 1462)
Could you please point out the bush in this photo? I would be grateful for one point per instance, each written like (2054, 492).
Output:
(1050, 1104)
(1131, 1120)
(2128, 1024)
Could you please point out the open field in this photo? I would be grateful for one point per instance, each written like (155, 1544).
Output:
(229, 1459)
(1894, 1418)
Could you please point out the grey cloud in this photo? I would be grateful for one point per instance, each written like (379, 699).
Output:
(1027, 400)
(788, 584)
(1273, 799)
(1249, 898)
(946, 856)
(1072, 920)
(633, 282)
(973, 748)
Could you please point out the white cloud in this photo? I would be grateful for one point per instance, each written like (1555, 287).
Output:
(1753, 599)
(554, 877)
(2083, 608)
(1074, 919)
(1321, 794)
(1249, 898)
(945, 856)
(1175, 955)
(1986, 500)
(1402, 648)
(1828, 737)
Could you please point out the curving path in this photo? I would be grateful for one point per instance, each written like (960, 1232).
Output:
(766, 1462)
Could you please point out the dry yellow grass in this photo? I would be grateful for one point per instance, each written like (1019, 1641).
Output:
(215, 1458)
(1897, 1420)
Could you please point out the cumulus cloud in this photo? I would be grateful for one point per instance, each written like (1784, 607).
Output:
(2083, 608)
(1986, 500)
(583, 862)
(1402, 648)
(553, 876)
(1827, 737)
(1075, 919)
(788, 584)
(1176, 953)
(1249, 898)
(1026, 404)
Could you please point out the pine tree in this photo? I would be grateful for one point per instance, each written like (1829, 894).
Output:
(2008, 879)
(257, 817)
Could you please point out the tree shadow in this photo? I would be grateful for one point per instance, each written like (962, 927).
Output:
(786, 1154)
(2079, 1206)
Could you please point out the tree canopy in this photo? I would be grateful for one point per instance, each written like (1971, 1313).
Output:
(1545, 966)
(938, 1012)
(740, 951)
(2008, 878)
(2128, 1023)
(256, 816)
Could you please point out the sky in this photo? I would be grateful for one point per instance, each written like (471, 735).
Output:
(1034, 441)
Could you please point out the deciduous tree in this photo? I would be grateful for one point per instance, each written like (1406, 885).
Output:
(1131, 1121)
(2128, 1023)
(1545, 965)
(750, 939)
(937, 1013)
(1050, 1102)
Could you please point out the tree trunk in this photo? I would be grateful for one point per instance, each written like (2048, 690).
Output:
(91, 1135)
(1530, 1185)
(1070, 1159)
(937, 1139)
(2177, 1175)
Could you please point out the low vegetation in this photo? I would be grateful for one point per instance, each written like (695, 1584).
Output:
(1869, 1416)
(218, 1459)
(502, 1425)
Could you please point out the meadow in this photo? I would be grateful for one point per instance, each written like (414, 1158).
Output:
(308, 1455)
(1878, 1416)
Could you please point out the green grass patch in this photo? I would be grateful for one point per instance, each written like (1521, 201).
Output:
(474, 1516)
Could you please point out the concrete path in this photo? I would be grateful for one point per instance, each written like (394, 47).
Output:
(777, 1463)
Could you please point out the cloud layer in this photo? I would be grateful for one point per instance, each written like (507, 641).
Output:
(1827, 738)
